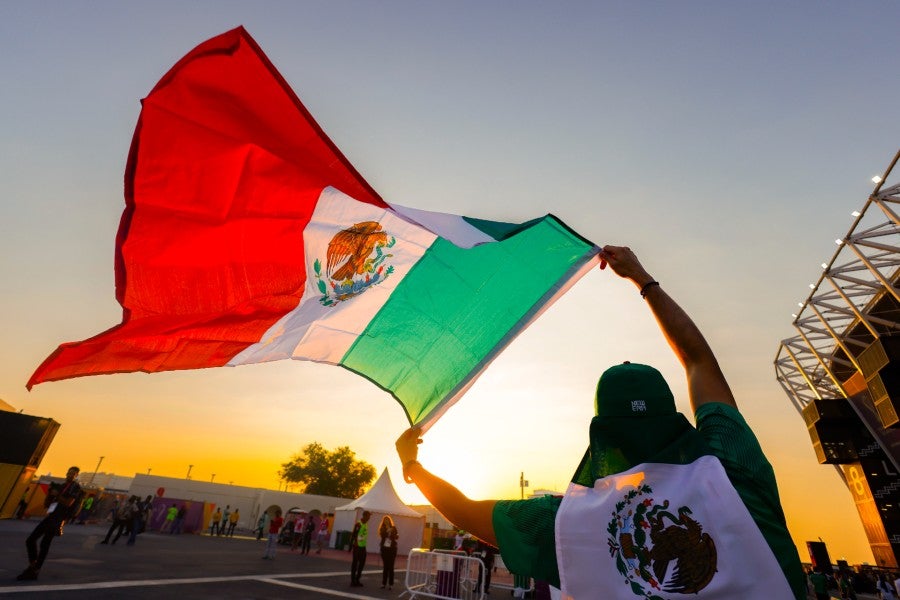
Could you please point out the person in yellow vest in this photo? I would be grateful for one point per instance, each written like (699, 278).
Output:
(214, 526)
(171, 513)
(233, 521)
(358, 546)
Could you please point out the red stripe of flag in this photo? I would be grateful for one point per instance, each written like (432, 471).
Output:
(224, 171)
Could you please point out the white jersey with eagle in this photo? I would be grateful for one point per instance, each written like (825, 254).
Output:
(661, 532)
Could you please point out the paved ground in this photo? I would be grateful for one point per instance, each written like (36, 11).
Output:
(183, 566)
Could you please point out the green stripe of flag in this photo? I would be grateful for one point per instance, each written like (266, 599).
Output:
(496, 229)
(456, 308)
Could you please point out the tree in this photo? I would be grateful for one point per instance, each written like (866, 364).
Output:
(328, 473)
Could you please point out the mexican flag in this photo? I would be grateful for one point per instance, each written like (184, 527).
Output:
(248, 237)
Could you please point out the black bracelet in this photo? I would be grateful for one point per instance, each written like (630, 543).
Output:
(646, 287)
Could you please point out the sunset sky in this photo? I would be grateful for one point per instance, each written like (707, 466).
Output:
(726, 143)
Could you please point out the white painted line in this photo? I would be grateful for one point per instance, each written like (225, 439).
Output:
(107, 585)
(319, 590)
(25, 588)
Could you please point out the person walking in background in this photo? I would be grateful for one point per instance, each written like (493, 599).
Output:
(139, 516)
(487, 553)
(458, 540)
(884, 586)
(260, 526)
(388, 548)
(322, 535)
(23, 504)
(296, 532)
(214, 524)
(63, 500)
(114, 510)
(226, 514)
(169, 523)
(233, 521)
(86, 507)
(845, 585)
(178, 527)
(122, 520)
(308, 528)
(274, 527)
(146, 513)
(819, 585)
(358, 539)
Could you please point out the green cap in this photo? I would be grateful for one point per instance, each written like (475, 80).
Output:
(633, 390)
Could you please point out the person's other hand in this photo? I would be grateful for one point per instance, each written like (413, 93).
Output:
(408, 446)
(624, 263)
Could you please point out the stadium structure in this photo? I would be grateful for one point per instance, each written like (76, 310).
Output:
(842, 369)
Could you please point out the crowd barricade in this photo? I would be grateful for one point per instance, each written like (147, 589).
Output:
(503, 579)
(443, 574)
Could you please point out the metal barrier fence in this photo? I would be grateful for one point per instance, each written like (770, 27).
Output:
(443, 574)
(502, 579)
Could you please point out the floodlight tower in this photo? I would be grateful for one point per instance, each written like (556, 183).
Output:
(842, 369)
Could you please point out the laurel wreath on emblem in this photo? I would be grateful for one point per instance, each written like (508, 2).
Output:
(355, 262)
(644, 547)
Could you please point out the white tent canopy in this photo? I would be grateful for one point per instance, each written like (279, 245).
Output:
(382, 500)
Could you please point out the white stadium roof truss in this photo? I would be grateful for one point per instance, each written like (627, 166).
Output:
(812, 364)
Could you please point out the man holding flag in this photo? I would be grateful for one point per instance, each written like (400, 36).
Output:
(657, 506)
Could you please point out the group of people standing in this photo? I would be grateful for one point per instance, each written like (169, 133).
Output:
(131, 518)
(888, 586)
(299, 531)
(387, 532)
(224, 521)
(303, 529)
(66, 502)
(174, 522)
(846, 582)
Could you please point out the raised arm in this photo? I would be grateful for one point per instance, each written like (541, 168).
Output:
(706, 383)
(475, 516)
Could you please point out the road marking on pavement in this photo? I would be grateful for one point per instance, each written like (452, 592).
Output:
(107, 585)
(310, 588)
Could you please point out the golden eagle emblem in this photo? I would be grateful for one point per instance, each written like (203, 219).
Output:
(355, 261)
(645, 546)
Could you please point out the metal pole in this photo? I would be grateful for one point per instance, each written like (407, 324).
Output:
(97, 468)
(188, 476)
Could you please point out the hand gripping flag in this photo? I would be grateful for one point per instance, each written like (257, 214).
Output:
(248, 237)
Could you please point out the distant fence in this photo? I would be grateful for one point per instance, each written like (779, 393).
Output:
(444, 575)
